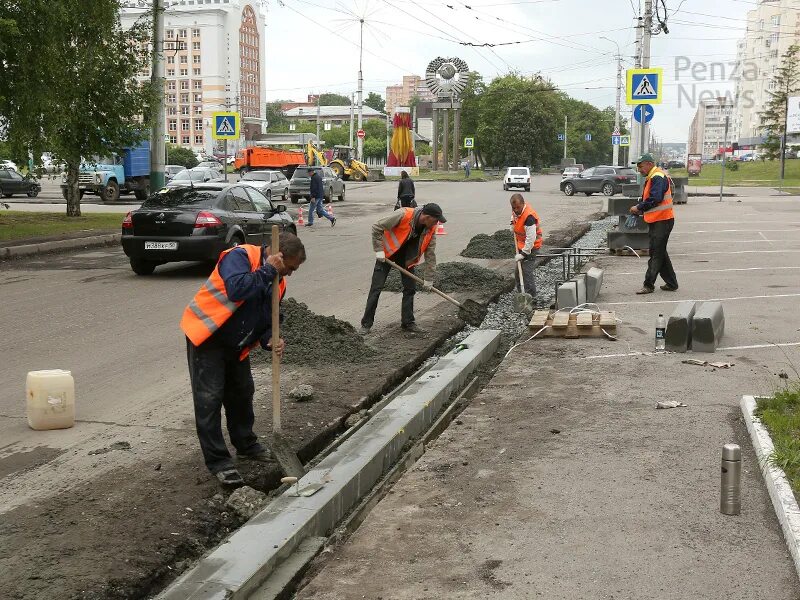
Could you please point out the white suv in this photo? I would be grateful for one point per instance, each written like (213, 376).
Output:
(518, 177)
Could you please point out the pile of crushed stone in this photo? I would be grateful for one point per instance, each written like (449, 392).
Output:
(313, 338)
(498, 245)
(454, 277)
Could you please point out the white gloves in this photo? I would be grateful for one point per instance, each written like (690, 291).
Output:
(380, 256)
(519, 256)
(427, 286)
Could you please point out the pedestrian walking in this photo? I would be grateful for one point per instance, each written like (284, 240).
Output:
(466, 169)
(405, 192)
(228, 317)
(528, 239)
(408, 238)
(656, 208)
(317, 200)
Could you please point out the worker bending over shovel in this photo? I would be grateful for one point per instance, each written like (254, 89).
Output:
(407, 237)
(528, 239)
(228, 317)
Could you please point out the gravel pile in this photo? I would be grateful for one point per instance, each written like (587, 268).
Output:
(454, 277)
(313, 337)
(498, 245)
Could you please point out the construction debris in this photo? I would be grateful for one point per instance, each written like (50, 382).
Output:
(246, 502)
(454, 277)
(302, 393)
(498, 245)
(705, 363)
(670, 404)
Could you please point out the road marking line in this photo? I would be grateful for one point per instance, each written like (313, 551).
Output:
(739, 222)
(736, 231)
(764, 240)
(751, 347)
(633, 302)
(639, 273)
(735, 252)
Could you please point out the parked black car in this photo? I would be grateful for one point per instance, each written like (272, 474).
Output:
(608, 180)
(300, 184)
(12, 183)
(197, 223)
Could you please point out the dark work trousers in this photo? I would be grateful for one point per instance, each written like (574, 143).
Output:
(219, 379)
(406, 202)
(528, 270)
(379, 275)
(659, 263)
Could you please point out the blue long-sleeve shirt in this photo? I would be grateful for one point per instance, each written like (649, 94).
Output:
(252, 321)
(315, 185)
(658, 187)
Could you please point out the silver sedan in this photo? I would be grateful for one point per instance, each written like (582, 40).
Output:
(273, 184)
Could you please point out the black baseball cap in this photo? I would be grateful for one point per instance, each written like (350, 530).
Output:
(435, 211)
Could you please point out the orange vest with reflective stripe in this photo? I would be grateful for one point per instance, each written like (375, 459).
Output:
(211, 307)
(519, 227)
(395, 237)
(663, 210)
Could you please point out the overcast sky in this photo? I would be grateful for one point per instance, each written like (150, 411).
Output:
(312, 46)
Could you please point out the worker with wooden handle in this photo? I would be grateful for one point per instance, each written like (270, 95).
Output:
(407, 237)
(528, 239)
(228, 317)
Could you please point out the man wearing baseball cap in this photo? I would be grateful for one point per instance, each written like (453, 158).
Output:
(656, 208)
(408, 238)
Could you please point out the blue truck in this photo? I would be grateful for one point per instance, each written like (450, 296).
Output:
(108, 177)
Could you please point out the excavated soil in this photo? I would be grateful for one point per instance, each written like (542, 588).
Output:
(325, 338)
(455, 277)
(498, 245)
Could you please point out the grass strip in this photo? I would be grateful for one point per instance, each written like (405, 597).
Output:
(18, 225)
(780, 414)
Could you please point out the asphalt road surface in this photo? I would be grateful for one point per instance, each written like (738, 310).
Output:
(118, 334)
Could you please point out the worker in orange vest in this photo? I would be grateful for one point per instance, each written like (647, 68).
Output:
(656, 208)
(408, 238)
(229, 316)
(528, 240)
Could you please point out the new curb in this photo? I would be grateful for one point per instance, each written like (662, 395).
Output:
(250, 555)
(780, 491)
(56, 245)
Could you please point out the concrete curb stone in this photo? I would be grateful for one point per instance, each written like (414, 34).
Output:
(58, 245)
(708, 327)
(780, 492)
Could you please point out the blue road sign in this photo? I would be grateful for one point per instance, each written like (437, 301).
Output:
(615, 140)
(644, 86)
(226, 126)
(560, 137)
(643, 113)
(588, 137)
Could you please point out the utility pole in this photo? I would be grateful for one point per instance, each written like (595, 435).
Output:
(724, 147)
(636, 129)
(565, 137)
(785, 128)
(360, 151)
(318, 144)
(159, 127)
(352, 102)
(615, 147)
(646, 35)
(388, 142)
(414, 130)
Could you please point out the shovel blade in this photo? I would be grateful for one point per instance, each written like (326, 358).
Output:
(472, 313)
(523, 303)
(286, 457)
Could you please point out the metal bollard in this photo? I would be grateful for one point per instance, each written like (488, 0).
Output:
(730, 498)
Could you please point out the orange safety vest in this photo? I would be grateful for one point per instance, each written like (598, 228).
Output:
(211, 307)
(519, 227)
(395, 237)
(663, 210)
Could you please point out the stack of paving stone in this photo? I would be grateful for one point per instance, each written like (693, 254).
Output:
(634, 237)
(582, 288)
(679, 193)
(696, 326)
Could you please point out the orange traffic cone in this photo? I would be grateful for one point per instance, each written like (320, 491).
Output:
(300, 220)
(329, 208)
(440, 229)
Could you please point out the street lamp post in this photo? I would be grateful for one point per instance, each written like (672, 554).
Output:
(615, 147)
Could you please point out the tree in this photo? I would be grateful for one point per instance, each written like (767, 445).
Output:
(331, 99)
(785, 84)
(274, 115)
(68, 82)
(178, 155)
(375, 101)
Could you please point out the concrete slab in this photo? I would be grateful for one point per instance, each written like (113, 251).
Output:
(620, 239)
(243, 562)
(567, 295)
(708, 327)
(580, 280)
(641, 226)
(679, 327)
(594, 281)
(620, 205)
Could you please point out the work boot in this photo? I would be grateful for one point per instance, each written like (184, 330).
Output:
(309, 224)
(364, 330)
(412, 328)
(645, 290)
(333, 221)
(260, 456)
(669, 288)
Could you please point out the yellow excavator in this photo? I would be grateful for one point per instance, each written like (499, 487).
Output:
(342, 163)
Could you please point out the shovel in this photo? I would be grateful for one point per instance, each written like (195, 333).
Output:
(523, 302)
(470, 311)
(286, 457)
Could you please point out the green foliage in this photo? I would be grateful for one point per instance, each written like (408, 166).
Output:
(337, 136)
(178, 155)
(274, 115)
(68, 82)
(331, 99)
(732, 165)
(375, 101)
(781, 416)
(786, 83)
(375, 147)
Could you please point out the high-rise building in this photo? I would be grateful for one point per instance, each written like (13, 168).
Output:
(772, 27)
(214, 55)
(402, 93)
(707, 132)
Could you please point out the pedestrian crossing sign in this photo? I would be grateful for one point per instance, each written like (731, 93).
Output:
(226, 126)
(644, 86)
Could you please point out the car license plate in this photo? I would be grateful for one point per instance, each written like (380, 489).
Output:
(161, 245)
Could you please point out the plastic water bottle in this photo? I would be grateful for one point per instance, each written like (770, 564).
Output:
(661, 333)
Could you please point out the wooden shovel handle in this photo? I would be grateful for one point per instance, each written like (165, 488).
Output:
(420, 280)
(521, 280)
(276, 361)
